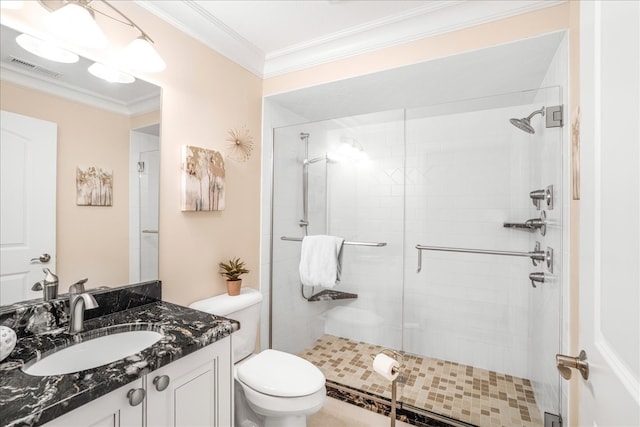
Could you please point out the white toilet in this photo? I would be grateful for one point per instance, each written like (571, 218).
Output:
(272, 388)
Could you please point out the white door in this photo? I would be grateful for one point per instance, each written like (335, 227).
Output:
(27, 203)
(609, 211)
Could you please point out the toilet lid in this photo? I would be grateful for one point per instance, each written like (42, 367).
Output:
(280, 374)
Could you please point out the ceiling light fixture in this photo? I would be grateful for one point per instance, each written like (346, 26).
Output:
(46, 49)
(110, 74)
(74, 22)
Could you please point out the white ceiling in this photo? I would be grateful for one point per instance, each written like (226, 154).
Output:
(456, 83)
(270, 37)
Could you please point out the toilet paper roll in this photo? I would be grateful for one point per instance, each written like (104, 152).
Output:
(386, 366)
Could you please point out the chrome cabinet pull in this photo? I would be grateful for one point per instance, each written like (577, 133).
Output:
(566, 363)
(161, 382)
(44, 258)
(136, 396)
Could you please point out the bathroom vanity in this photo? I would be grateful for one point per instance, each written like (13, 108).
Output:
(189, 391)
(185, 378)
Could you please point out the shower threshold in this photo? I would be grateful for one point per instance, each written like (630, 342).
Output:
(431, 392)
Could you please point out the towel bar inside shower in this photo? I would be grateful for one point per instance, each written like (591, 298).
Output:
(537, 255)
(376, 244)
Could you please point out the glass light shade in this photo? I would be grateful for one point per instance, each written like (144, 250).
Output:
(46, 49)
(75, 24)
(11, 4)
(142, 56)
(110, 74)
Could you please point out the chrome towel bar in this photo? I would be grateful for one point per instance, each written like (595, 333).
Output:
(536, 255)
(376, 244)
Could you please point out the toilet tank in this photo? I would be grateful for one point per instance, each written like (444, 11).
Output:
(245, 308)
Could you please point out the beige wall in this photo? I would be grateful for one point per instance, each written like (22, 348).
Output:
(204, 96)
(92, 242)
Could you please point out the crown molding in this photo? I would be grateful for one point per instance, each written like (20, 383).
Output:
(195, 21)
(436, 17)
(60, 89)
(439, 18)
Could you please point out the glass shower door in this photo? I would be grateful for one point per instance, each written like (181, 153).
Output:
(476, 317)
(355, 191)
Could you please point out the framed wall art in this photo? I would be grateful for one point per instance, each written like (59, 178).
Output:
(203, 179)
(94, 186)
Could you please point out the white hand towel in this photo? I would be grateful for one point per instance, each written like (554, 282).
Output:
(320, 258)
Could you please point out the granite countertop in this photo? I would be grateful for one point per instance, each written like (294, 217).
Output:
(27, 400)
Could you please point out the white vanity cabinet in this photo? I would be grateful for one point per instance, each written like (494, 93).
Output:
(110, 410)
(195, 390)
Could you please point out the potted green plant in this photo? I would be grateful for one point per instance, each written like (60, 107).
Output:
(232, 270)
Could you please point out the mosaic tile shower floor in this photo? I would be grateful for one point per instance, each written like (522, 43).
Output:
(459, 392)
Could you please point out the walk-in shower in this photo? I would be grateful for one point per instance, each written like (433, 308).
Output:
(476, 208)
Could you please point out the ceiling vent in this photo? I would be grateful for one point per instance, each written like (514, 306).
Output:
(34, 68)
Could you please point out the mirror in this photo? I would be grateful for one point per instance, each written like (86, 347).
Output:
(110, 126)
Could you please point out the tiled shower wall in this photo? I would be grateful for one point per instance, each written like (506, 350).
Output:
(469, 173)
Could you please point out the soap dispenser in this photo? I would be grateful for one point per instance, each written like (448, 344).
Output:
(48, 285)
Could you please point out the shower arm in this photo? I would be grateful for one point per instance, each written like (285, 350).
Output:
(540, 111)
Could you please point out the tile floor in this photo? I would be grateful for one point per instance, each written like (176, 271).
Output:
(458, 392)
(336, 413)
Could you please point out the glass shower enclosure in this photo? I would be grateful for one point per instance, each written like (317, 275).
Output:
(453, 222)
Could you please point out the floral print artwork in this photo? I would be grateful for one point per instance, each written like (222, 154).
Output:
(203, 179)
(94, 186)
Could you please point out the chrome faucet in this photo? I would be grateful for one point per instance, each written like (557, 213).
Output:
(79, 301)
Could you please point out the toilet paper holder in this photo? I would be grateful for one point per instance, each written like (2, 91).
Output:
(393, 354)
(394, 384)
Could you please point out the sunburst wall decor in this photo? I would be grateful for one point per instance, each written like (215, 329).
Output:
(241, 144)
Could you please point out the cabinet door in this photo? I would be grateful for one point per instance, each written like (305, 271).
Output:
(110, 410)
(193, 391)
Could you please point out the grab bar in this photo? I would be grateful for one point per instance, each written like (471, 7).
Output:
(376, 244)
(536, 255)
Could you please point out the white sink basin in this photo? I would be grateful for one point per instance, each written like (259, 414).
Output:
(93, 353)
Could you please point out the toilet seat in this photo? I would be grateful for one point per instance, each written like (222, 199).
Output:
(280, 374)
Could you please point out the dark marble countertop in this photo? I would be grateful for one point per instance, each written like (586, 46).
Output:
(27, 400)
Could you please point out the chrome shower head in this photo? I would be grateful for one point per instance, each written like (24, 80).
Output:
(524, 124)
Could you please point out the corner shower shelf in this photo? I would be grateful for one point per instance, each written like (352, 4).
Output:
(329, 295)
